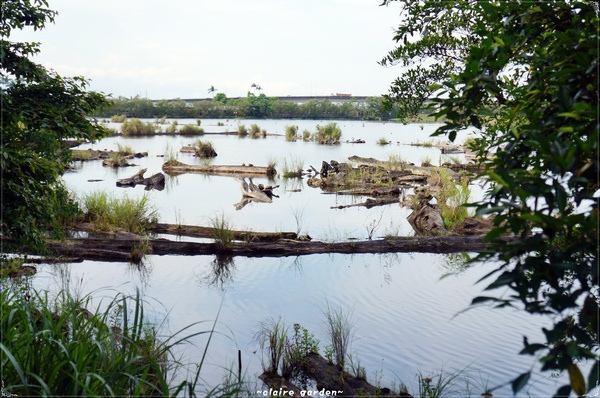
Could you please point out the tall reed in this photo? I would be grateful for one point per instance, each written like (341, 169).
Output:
(58, 347)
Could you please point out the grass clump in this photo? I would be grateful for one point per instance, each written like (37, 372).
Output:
(339, 329)
(190, 129)
(172, 128)
(291, 133)
(306, 135)
(109, 213)
(135, 127)
(204, 149)
(242, 130)
(383, 141)
(222, 232)
(118, 118)
(58, 347)
(328, 134)
(294, 169)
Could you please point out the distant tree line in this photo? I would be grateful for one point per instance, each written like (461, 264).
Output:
(252, 106)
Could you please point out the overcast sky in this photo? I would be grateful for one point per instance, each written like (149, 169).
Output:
(180, 48)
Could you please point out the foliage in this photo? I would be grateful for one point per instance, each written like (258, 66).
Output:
(38, 111)
(57, 347)
(525, 75)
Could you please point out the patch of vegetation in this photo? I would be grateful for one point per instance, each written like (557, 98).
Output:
(190, 129)
(306, 135)
(242, 130)
(118, 118)
(328, 134)
(204, 149)
(383, 141)
(108, 212)
(172, 129)
(135, 127)
(451, 197)
(294, 169)
(222, 232)
(112, 350)
(291, 133)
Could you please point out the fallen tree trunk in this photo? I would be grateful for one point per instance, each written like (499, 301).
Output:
(370, 202)
(121, 249)
(176, 167)
(207, 232)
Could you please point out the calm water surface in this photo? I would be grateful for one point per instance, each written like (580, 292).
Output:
(408, 319)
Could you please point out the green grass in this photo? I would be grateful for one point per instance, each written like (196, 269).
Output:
(294, 169)
(135, 127)
(204, 149)
(190, 129)
(64, 346)
(118, 118)
(242, 130)
(291, 133)
(328, 134)
(383, 141)
(222, 232)
(108, 212)
(339, 329)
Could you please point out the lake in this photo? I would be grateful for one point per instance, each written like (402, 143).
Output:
(410, 311)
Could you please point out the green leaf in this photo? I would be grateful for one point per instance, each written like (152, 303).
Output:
(520, 382)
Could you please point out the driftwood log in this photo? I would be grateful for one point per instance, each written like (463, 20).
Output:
(176, 167)
(156, 181)
(207, 232)
(427, 220)
(120, 249)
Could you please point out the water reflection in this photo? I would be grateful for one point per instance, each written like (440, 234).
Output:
(220, 273)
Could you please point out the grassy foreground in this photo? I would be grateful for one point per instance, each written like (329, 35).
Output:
(57, 347)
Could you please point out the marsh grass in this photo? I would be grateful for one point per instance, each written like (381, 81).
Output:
(328, 134)
(222, 232)
(294, 168)
(291, 133)
(172, 128)
(58, 347)
(339, 327)
(204, 149)
(242, 130)
(306, 135)
(190, 129)
(271, 338)
(108, 212)
(118, 118)
(135, 127)
(383, 141)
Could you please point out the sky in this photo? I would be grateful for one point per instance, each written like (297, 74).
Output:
(161, 49)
